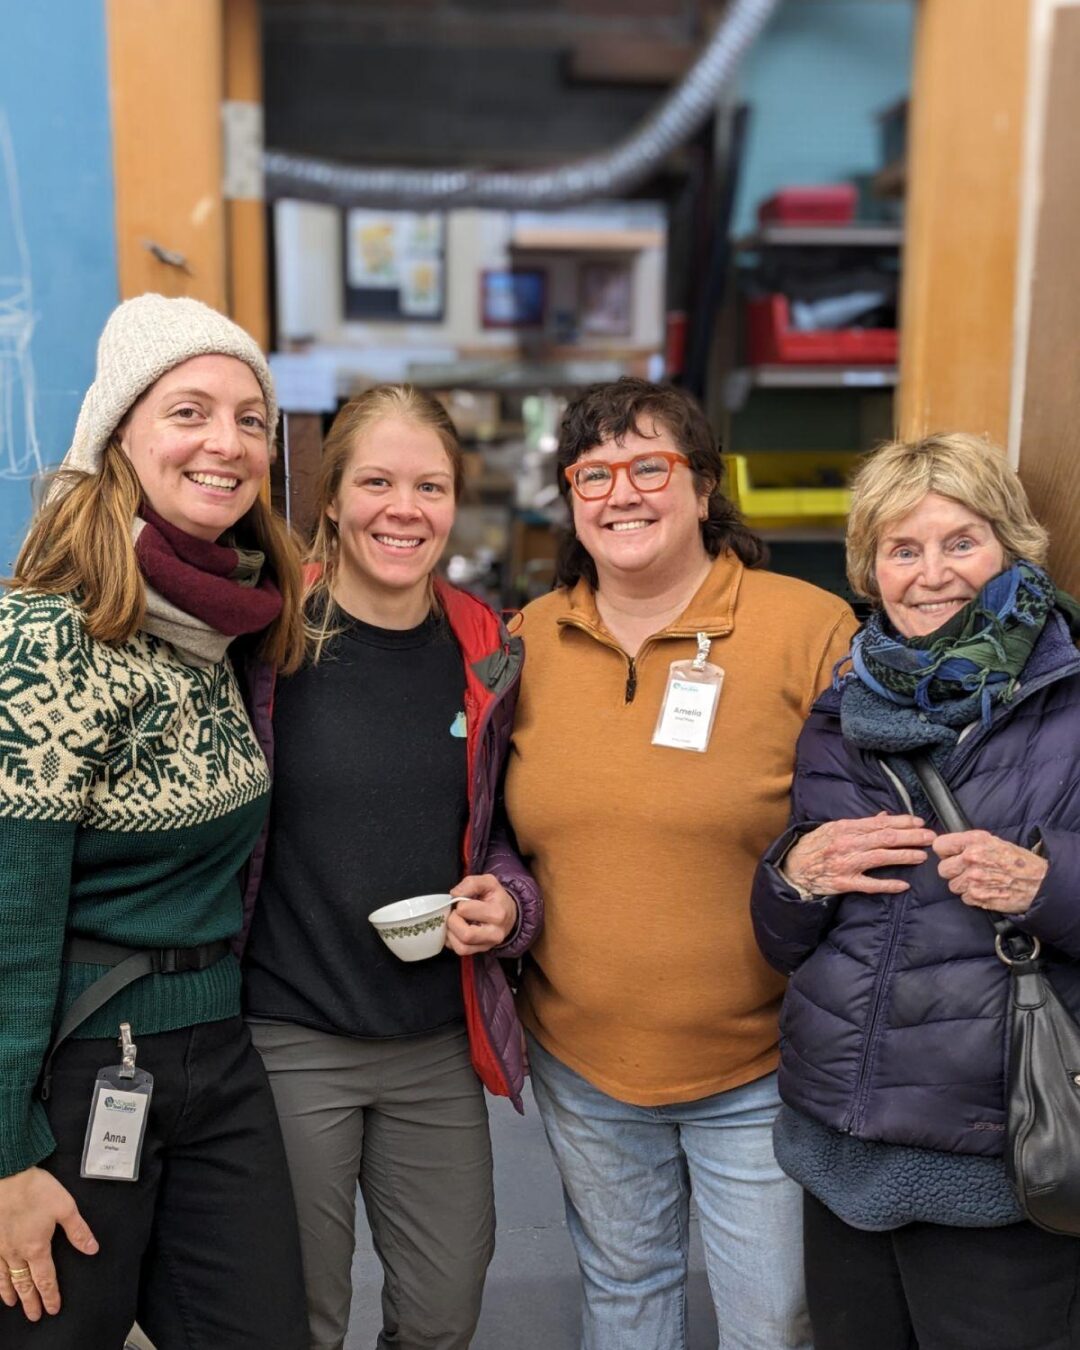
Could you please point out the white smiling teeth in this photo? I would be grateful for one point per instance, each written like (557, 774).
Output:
(622, 525)
(391, 542)
(214, 481)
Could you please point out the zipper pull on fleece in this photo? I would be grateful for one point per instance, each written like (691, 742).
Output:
(631, 681)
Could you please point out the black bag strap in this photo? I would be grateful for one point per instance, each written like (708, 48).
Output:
(127, 964)
(1012, 944)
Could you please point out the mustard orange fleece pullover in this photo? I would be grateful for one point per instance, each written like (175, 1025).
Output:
(646, 978)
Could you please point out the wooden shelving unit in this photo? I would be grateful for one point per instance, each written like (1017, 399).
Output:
(821, 236)
(757, 402)
(555, 240)
(738, 383)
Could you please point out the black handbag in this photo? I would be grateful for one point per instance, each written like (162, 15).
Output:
(1042, 1134)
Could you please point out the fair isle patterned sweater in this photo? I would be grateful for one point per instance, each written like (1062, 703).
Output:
(131, 792)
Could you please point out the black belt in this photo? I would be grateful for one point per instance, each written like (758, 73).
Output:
(128, 964)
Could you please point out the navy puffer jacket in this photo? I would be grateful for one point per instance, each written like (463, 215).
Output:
(894, 1026)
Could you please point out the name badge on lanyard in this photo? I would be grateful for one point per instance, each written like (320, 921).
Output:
(691, 695)
(112, 1149)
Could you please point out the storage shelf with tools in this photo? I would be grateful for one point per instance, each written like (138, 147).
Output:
(807, 369)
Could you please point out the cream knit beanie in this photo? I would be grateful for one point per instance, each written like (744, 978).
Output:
(144, 338)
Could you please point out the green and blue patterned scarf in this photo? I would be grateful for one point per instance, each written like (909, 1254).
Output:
(908, 694)
(978, 652)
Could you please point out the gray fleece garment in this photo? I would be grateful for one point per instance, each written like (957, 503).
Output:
(879, 1186)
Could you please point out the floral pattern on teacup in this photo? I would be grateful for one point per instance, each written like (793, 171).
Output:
(413, 929)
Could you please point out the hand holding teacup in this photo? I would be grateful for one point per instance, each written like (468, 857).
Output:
(477, 915)
(484, 916)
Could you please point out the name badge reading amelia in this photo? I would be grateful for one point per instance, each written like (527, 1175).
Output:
(118, 1110)
(691, 696)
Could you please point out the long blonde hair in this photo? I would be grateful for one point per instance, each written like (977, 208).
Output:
(80, 542)
(357, 416)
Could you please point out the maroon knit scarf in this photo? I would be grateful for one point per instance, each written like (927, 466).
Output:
(200, 578)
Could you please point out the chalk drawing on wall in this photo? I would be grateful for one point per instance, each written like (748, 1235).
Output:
(20, 454)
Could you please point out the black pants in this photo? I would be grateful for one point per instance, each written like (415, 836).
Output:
(202, 1250)
(929, 1287)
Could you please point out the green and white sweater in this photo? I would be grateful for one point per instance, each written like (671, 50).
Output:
(132, 789)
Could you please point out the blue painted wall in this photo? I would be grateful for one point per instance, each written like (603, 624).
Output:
(58, 278)
(815, 81)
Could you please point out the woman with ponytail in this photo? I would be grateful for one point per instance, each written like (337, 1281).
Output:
(389, 746)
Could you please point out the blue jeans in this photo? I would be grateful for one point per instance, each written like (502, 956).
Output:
(627, 1174)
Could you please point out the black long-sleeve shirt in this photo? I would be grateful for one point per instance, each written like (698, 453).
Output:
(369, 805)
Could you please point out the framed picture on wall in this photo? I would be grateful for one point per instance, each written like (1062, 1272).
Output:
(512, 297)
(394, 265)
(605, 299)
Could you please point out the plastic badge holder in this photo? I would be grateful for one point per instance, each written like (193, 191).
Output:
(691, 696)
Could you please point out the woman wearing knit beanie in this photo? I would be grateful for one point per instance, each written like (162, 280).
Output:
(141, 1169)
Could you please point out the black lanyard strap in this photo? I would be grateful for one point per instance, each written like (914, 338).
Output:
(127, 964)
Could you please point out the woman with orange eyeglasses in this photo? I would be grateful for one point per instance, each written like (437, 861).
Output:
(668, 678)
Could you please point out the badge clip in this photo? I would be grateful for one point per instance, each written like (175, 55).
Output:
(128, 1051)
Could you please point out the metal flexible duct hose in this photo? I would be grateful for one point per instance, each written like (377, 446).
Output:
(676, 119)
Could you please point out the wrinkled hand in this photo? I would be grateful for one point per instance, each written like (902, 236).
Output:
(835, 858)
(988, 872)
(32, 1203)
(484, 917)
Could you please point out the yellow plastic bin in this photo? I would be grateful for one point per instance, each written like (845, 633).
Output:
(767, 502)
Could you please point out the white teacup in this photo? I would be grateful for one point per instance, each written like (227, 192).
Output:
(414, 929)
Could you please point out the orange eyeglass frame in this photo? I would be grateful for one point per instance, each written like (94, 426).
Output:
(673, 457)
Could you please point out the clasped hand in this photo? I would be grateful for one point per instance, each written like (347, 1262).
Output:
(484, 917)
(983, 870)
(989, 872)
(835, 858)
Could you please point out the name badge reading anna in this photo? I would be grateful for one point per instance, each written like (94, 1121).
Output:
(112, 1149)
(691, 695)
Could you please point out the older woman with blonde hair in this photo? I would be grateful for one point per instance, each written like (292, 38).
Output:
(151, 600)
(389, 746)
(895, 1024)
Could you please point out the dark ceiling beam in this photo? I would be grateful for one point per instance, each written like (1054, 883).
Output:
(630, 60)
(405, 23)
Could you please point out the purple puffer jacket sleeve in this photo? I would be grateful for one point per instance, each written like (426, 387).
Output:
(492, 989)
(502, 861)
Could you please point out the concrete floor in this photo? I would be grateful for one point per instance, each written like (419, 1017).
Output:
(532, 1294)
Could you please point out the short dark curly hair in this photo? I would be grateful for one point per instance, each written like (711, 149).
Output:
(610, 412)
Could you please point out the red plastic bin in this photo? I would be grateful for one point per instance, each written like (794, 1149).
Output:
(832, 205)
(770, 340)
